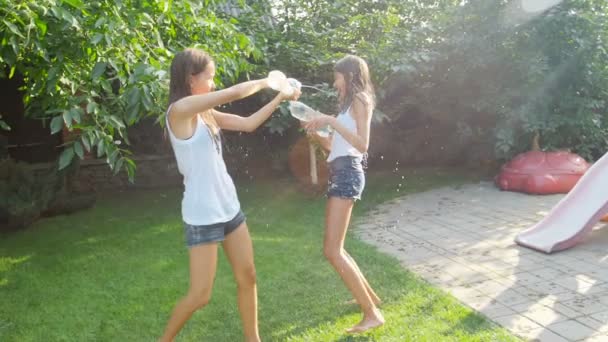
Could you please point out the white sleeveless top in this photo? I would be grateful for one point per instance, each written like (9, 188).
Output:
(209, 193)
(339, 146)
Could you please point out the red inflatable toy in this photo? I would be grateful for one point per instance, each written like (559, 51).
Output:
(537, 172)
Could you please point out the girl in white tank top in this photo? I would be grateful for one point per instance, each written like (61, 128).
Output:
(340, 146)
(210, 207)
(347, 148)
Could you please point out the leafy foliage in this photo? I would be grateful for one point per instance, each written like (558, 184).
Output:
(489, 68)
(96, 67)
(492, 68)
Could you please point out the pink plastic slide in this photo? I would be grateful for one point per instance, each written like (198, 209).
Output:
(574, 216)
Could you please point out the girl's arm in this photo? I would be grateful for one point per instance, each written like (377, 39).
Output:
(189, 106)
(250, 123)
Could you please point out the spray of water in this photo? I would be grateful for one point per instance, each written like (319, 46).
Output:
(520, 12)
(538, 6)
(317, 89)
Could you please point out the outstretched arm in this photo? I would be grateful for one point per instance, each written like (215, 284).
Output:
(250, 123)
(189, 106)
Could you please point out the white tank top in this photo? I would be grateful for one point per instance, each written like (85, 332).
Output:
(339, 146)
(209, 193)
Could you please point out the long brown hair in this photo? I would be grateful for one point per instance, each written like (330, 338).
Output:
(357, 80)
(186, 64)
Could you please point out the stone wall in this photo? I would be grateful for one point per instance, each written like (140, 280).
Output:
(152, 171)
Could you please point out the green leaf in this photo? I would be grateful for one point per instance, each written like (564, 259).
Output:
(4, 126)
(52, 73)
(67, 118)
(76, 114)
(100, 148)
(112, 157)
(41, 26)
(85, 142)
(130, 169)
(66, 158)
(117, 121)
(147, 99)
(100, 22)
(96, 38)
(13, 28)
(91, 107)
(78, 149)
(98, 70)
(134, 95)
(74, 3)
(12, 72)
(56, 124)
(118, 165)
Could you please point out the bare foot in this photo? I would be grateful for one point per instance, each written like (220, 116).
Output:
(368, 322)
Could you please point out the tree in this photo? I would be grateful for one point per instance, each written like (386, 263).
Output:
(97, 67)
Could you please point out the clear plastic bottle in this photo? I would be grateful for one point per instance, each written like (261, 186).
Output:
(279, 82)
(276, 80)
(294, 84)
(304, 113)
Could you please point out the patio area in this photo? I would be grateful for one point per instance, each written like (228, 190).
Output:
(462, 240)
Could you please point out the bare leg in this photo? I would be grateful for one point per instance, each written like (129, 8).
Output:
(336, 223)
(203, 263)
(239, 251)
(372, 294)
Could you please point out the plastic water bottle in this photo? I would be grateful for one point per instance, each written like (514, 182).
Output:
(294, 84)
(276, 80)
(279, 82)
(304, 113)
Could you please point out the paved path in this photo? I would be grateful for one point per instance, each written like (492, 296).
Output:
(461, 240)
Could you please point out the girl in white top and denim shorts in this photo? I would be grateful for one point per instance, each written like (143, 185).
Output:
(348, 150)
(210, 207)
(346, 176)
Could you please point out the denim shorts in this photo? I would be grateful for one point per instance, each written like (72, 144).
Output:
(346, 178)
(209, 233)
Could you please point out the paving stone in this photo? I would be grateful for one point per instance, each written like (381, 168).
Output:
(572, 330)
(461, 240)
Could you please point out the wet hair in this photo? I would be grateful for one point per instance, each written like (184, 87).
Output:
(357, 80)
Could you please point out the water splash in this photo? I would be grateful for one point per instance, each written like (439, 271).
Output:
(517, 13)
(538, 6)
(318, 89)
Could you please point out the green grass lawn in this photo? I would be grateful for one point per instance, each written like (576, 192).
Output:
(114, 273)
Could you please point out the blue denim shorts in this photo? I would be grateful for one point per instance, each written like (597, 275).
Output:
(209, 233)
(346, 178)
